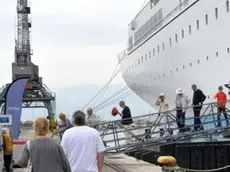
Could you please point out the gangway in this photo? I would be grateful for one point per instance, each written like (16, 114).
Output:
(148, 136)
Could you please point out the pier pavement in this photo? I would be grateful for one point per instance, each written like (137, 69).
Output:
(114, 163)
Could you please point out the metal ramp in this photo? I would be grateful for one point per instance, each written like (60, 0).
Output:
(147, 136)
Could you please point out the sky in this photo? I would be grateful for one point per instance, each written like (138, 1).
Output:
(74, 42)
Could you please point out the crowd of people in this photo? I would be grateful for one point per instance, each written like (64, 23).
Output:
(182, 103)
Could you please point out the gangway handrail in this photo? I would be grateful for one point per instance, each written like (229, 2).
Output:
(156, 113)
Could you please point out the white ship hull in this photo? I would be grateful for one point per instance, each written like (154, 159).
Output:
(193, 49)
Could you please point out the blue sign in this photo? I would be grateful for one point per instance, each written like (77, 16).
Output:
(13, 105)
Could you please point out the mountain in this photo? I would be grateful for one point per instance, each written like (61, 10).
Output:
(76, 97)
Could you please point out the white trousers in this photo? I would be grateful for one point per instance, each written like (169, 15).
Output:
(126, 133)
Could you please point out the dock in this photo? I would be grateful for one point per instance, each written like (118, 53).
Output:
(112, 163)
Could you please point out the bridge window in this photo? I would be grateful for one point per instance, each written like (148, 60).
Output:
(206, 19)
(198, 24)
(227, 6)
(216, 13)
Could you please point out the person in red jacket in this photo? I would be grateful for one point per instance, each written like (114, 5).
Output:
(221, 98)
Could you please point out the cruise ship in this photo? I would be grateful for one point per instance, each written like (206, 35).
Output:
(176, 43)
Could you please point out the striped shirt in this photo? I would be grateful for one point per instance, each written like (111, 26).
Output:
(46, 156)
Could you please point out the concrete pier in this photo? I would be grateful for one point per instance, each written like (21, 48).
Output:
(123, 162)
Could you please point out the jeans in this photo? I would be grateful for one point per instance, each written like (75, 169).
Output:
(180, 115)
(197, 121)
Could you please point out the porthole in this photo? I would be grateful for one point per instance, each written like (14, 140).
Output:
(217, 54)
(190, 29)
(216, 13)
(182, 33)
(206, 19)
(198, 24)
(191, 64)
(207, 58)
(228, 50)
(198, 61)
(227, 6)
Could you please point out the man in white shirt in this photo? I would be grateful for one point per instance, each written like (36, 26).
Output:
(83, 146)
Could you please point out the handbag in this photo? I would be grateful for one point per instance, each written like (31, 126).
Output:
(29, 165)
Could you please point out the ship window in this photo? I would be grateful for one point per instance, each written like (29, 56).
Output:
(206, 19)
(153, 52)
(191, 64)
(198, 61)
(163, 74)
(146, 57)
(139, 61)
(163, 45)
(170, 41)
(190, 29)
(227, 6)
(176, 38)
(149, 54)
(217, 54)
(183, 67)
(198, 24)
(136, 64)
(216, 13)
(177, 69)
(132, 66)
(182, 33)
(228, 50)
(170, 71)
(158, 48)
(142, 59)
(207, 58)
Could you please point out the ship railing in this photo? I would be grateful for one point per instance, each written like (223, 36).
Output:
(121, 55)
(166, 19)
(160, 129)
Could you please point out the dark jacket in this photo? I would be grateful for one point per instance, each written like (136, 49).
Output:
(126, 116)
(198, 97)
